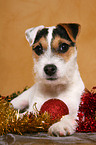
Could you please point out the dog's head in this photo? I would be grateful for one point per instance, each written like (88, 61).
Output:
(54, 52)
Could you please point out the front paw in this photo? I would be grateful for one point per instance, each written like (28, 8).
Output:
(63, 127)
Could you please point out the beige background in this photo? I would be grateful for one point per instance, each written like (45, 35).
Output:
(15, 53)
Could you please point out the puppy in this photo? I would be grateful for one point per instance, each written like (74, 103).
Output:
(56, 72)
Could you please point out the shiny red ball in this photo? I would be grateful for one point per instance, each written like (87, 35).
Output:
(55, 108)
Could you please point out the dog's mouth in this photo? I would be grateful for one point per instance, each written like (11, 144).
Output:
(51, 79)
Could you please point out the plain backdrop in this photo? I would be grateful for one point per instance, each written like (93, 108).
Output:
(16, 64)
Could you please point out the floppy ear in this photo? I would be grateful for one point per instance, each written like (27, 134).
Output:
(72, 30)
(31, 33)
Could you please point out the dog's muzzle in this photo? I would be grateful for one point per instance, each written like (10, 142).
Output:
(50, 70)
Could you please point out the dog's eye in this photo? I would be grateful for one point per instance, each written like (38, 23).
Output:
(38, 49)
(63, 48)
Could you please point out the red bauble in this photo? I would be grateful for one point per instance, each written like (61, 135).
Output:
(55, 108)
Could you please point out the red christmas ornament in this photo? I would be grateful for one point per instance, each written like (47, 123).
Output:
(55, 108)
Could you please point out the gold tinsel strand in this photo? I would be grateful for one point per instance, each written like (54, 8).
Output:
(29, 123)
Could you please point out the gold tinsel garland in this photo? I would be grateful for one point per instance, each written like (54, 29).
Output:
(29, 123)
(11, 122)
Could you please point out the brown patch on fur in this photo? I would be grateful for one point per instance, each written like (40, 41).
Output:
(67, 54)
(44, 44)
(56, 42)
(55, 45)
(69, 31)
(35, 56)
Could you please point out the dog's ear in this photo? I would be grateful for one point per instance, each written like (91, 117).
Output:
(72, 30)
(31, 33)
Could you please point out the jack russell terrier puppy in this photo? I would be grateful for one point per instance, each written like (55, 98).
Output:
(56, 71)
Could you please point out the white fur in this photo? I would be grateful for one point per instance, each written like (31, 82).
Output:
(68, 87)
(31, 33)
(49, 37)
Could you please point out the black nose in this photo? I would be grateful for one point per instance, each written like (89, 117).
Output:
(50, 69)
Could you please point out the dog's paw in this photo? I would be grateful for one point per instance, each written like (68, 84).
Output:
(62, 128)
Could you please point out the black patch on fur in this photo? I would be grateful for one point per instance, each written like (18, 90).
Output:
(60, 31)
(74, 28)
(41, 33)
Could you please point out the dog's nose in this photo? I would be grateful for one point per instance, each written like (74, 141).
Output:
(50, 69)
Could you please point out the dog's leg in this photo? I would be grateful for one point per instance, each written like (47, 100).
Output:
(66, 126)
(22, 101)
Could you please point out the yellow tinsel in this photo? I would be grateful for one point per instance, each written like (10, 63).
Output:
(29, 123)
